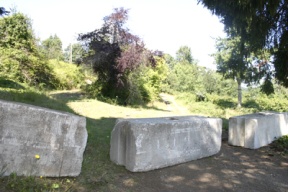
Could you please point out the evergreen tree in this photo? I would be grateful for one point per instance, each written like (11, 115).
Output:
(261, 23)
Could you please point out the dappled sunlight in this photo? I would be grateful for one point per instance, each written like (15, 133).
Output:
(248, 164)
(284, 164)
(228, 185)
(248, 175)
(229, 172)
(194, 167)
(207, 177)
(129, 182)
(174, 179)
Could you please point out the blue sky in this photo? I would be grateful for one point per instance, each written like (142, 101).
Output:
(162, 24)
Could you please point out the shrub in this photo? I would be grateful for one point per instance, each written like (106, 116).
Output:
(68, 75)
(281, 144)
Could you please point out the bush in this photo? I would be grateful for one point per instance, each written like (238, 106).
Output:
(26, 68)
(281, 144)
(272, 103)
(68, 75)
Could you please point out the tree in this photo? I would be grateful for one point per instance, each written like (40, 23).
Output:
(3, 11)
(170, 61)
(20, 58)
(184, 54)
(114, 53)
(232, 62)
(53, 47)
(261, 23)
(78, 53)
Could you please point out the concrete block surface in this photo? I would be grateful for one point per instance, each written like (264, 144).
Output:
(257, 130)
(152, 143)
(28, 132)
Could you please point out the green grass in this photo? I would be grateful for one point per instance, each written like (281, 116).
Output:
(98, 172)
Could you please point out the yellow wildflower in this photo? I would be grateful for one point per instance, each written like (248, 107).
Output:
(37, 156)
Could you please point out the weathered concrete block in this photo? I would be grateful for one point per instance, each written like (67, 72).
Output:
(58, 138)
(257, 130)
(152, 143)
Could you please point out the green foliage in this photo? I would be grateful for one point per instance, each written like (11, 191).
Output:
(184, 77)
(281, 144)
(20, 58)
(29, 68)
(171, 62)
(145, 83)
(184, 55)
(3, 11)
(78, 53)
(52, 48)
(272, 103)
(7, 83)
(261, 24)
(262, 102)
(68, 75)
(16, 32)
(115, 53)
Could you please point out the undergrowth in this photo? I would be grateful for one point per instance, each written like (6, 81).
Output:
(281, 145)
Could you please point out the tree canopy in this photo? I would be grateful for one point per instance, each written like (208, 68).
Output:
(53, 47)
(20, 58)
(114, 53)
(261, 23)
(184, 54)
(3, 11)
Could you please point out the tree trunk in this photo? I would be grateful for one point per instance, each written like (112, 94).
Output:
(239, 93)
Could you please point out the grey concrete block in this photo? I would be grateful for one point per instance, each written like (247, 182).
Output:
(58, 138)
(152, 143)
(257, 130)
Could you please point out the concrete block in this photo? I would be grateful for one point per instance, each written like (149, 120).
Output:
(152, 143)
(58, 138)
(257, 130)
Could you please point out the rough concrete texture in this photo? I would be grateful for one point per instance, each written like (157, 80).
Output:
(152, 143)
(257, 130)
(58, 138)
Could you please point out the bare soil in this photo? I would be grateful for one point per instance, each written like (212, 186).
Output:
(232, 169)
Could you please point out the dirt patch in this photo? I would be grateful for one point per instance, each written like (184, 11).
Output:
(232, 169)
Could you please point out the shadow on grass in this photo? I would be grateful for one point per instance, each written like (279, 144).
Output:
(6, 83)
(225, 103)
(35, 98)
(152, 108)
(252, 105)
(97, 169)
(68, 96)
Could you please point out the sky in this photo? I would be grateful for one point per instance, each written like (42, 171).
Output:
(163, 25)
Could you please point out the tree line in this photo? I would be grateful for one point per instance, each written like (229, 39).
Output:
(126, 71)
